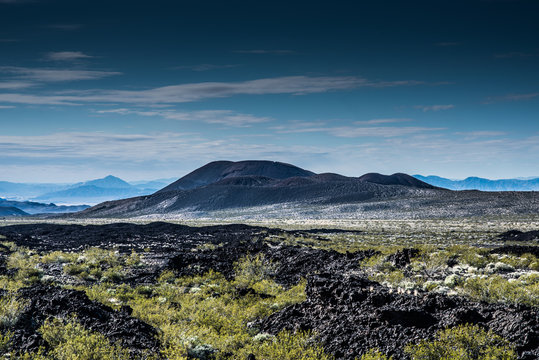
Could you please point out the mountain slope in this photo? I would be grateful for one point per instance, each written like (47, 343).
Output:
(225, 185)
(395, 179)
(219, 170)
(11, 211)
(476, 183)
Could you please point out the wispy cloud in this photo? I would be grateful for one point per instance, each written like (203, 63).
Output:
(382, 121)
(511, 97)
(6, 107)
(55, 75)
(361, 131)
(66, 56)
(293, 85)
(10, 85)
(381, 131)
(224, 117)
(175, 154)
(426, 108)
(265, 51)
(92, 145)
(36, 99)
(481, 133)
(205, 67)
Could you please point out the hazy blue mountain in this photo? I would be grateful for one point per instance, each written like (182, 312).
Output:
(99, 190)
(108, 182)
(88, 192)
(153, 184)
(477, 183)
(11, 211)
(24, 191)
(31, 207)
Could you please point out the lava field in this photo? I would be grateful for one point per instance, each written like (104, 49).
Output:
(347, 312)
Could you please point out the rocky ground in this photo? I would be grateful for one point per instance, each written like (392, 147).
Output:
(348, 312)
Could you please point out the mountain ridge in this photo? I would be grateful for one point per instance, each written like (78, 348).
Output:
(224, 185)
(483, 184)
(32, 208)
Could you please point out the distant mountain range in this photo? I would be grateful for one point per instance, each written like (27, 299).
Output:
(22, 208)
(223, 185)
(89, 192)
(476, 183)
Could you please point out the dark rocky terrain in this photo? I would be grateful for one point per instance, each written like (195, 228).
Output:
(47, 301)
(516, 235)
(349, 313)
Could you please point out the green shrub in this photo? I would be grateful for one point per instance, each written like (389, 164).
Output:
(10, 310)
(71, 341)
(26, 262)
(252, 269)
(496, 288)
(465, 342)
(58, 257)
(286, 346)
(5, 339)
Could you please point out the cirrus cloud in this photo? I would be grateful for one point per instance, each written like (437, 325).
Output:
(292, 85)
(66, 56)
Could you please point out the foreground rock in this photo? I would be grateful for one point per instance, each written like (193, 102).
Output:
(51, 301)
(516, 235)
(352, 314)
(289, 263)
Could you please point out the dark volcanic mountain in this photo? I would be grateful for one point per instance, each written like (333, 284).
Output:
(219, 170)
(224, 185)
(271, 189)
(396, 179)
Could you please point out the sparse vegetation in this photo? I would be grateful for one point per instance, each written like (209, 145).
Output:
(69, 340)
(10, 310)
(213, 316)
(463, 342)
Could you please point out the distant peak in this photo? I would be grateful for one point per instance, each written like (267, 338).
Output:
(108, 181)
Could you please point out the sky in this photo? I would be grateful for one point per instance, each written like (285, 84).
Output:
(146, 90)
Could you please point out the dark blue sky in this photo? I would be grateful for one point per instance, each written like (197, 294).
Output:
(154, 89)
